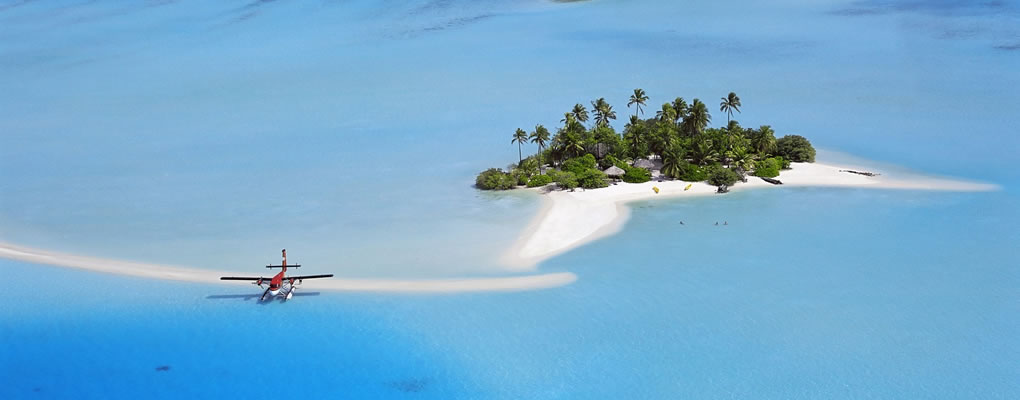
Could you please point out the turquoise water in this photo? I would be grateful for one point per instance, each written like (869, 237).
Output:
(350, 132)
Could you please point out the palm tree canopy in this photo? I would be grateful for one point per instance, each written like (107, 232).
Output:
(602, 111)
(667, 114)
(730, 104)
(520, 136)
(540, 136)
(634, 121)
(580, 113)
(697, 118)
(764, 140)
(597, 107)
(639, 97)
(680, 106)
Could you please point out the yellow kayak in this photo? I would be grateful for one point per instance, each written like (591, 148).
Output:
(656, 189)
(688, 186)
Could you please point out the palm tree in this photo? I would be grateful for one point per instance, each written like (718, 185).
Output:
(697, 118)
(704, 151)
(519, 137)
(667, 114)
(764, 141)
(672, 158)
(729, 104)
(571, 144)
(740, 157)
(634, 136)
(540, 136)
(680, 106)
(639, 97)
(602, 111)
(580, 113)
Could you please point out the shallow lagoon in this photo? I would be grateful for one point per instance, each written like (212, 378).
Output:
(350, 133)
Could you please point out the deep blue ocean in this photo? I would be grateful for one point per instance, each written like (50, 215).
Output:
(212, 134)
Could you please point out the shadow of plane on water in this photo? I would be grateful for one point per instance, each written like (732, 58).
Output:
(256, 296)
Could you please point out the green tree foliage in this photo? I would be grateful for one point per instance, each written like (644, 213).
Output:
(639, 98)
(495, 179)
(703, 150)
(697, 118)
(636, 175)
(635, 138)
(609, 161)
(740, 157)
(763, 141)
(540, 137)
(719, 175)
(606, 141)
(528, 167)
(679, 134)
(730, 104)
(592, 179)
(539, 180)
(520, 136)
(578, 165)
(691, 172)
(783, 163)
(671, 160)
(681, 109)
(667, 114)
(602, 111)
(580, 113)
(564, 179)
(768, 168)
(795, 148)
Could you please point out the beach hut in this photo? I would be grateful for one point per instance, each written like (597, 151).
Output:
(614, 172)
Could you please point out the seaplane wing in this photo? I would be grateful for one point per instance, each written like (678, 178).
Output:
(245, 278)
(309, 276)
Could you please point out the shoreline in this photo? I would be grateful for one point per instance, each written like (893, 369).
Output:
(568, 220)
(194, 275)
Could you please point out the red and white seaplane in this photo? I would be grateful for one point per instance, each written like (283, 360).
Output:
(279, 284)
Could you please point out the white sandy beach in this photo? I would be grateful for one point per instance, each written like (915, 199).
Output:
(155, 271)
(571, 219)
(566, 220)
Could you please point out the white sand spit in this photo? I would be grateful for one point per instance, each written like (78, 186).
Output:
(144, 270)
(571, 219)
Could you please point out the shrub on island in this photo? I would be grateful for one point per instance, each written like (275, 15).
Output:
(495, 179)
(768, 168)
(539, 180)
(783, 163)
(592, 179)
(795, 148)
(719, 175)
(690, 172)
(636, 175)
(564, 179)
(578, 165)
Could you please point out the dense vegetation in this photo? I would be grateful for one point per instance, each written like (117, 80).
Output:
(679, 136)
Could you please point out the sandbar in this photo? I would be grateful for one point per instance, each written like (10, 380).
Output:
(571, 219)
(185, 274)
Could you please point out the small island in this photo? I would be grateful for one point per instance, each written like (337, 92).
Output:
(676, 144)
(673, 154)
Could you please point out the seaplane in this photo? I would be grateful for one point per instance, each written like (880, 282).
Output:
(280, 284)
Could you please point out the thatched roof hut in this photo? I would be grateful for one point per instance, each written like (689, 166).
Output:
(614, 171)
